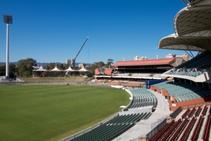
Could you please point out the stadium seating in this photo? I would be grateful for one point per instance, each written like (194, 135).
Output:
(122, 122)
(176, 113)
(183, 92)
(188, 130)
(188, 126)
(142, 97)
(195, 67)
(112, 128)
(202, 60)
(162, 131)
(207, 129)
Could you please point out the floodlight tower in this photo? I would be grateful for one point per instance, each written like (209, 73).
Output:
(8, 22)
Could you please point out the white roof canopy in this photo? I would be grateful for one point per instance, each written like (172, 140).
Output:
(69, 69)
(83, 69)
(55, 69)
(40, 69)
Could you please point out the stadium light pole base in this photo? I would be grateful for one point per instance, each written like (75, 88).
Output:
(4, 79)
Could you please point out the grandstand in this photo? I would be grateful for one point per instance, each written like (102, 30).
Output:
(112, 128)
(190, 124)
(142, 97)
(176, 103)
(197, 69)
(179, 93)
(187, 91)
(191, 79)
(190, 91)
(140, 69)
(188, 87)
(192, 27)
(134, 73)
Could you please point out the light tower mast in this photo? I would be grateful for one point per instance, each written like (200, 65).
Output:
(7, 21)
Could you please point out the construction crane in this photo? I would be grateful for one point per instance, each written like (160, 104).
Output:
(79, 51)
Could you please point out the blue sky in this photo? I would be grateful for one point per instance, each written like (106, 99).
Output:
(53, 30)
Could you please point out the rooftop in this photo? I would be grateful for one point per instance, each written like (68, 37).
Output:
(145, 62)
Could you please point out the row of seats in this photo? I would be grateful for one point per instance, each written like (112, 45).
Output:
(113, 128)
(194, 67)
(176, 113)
(194, 72)
(195, 112)
(202, 60)
(188, 130)
(182, 93)
(207, 129)
(142, 97)
(187, 123)
(179, 130)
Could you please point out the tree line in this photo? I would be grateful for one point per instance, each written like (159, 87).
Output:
(24, 67)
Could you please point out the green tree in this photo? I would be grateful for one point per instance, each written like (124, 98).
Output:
(25, 67)
(96, 65)
(50, 66)
(109, 63)
(12, 70)
(61, 66)
(2, 70)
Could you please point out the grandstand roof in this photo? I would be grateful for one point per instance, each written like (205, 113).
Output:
(192, 28)
(146, 62)
(108, 71)
(196, 2)
(185, 43)
(193, 20)
(97, 71)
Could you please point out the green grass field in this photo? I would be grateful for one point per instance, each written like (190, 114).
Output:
(45, 113)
